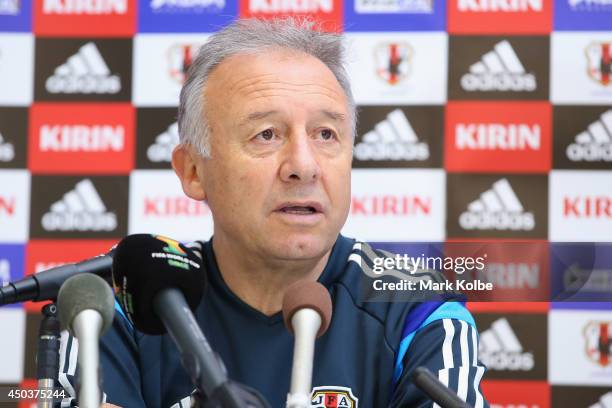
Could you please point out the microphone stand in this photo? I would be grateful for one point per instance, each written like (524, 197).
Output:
(47, 355)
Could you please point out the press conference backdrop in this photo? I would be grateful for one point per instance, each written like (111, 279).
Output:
(470, 111)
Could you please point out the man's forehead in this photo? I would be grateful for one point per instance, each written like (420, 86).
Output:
(274, 67)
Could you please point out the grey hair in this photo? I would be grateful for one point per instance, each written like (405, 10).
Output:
(252, 36)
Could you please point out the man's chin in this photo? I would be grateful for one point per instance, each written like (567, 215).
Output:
(300, 247)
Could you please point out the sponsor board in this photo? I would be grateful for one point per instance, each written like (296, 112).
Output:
(81, 138)
(16, 69)
(14, 205)
(13, 135)
(328, 12)
(158, 203)
(497, 206)
(16, 15)
(162, 60)
(519, 271)
(43, 254)
(518, 394)
(74, 18)
(393, 136)
(591, 397)
(498, 137)
(394, 15)
(499, 16)
(11, 264)
(583, 137)
(398, 68)
(79, 206)
(579, 347)
(583, 68)
(493, 68)
(83, 69)
(185, 15)
(581, 272)
(579, 210)
(157, 135)
(589, 15)
(513, 346)
(396, 205)
(13, 345)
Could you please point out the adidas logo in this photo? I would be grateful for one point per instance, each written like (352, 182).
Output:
(80, 209)
(500, 349)
(82, 138)
(498, 209)
(7, 151)
(499, 70)
(392, 139)
(604, 402)
(284, 6)
(161, 150)
(188, 4)
(86, 7)
(84, 72)
(594, 144)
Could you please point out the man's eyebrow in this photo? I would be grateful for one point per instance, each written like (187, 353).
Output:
(335, 116)
(257, 116)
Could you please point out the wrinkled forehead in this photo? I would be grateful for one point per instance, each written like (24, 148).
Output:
(275, 72)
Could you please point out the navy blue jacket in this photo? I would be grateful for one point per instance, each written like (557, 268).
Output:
(364, 360)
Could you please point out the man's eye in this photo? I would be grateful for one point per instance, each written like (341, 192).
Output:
(267, 134)
(327, 134)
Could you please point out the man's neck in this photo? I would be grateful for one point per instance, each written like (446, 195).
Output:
(262, 283)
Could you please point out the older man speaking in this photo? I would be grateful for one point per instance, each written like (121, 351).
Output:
(267, 123)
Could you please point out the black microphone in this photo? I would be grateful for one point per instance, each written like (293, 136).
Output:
(46, 284)
(154, 273)
(438, 392)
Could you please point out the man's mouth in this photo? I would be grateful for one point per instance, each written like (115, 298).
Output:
(299, 210)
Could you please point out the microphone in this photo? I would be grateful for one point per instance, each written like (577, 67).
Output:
(307, 310)
(45, 285)
(151, 272)
(86, 307)
(47, 353)
(438, 392)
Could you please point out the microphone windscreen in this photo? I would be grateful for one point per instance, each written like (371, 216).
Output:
(310, 295)
(145, 264)
(82, 292)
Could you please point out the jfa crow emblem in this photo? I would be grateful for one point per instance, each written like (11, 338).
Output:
(393, 61)
(333, 397)
(599, 59)
(598, 336)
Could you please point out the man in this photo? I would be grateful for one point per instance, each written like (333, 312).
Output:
(267, 123)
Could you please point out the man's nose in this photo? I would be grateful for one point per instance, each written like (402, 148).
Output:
(300, 161)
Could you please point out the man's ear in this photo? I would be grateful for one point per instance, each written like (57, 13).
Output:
(184, 162)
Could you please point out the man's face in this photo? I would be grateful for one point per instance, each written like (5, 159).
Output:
(278, 180)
